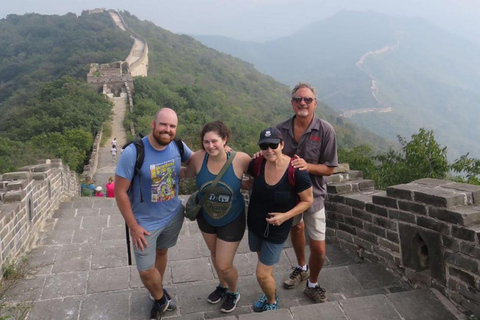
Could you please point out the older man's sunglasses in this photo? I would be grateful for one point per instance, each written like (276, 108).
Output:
(307, 100)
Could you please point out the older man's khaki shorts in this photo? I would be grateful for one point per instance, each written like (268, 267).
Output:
(315, 224)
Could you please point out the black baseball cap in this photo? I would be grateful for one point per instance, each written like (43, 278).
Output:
(270, 135)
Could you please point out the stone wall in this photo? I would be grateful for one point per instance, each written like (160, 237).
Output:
(90, 169)
(28, 198)
(427, 230)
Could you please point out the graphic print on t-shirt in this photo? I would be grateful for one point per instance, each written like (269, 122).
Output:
(163, 181)
(219, 200)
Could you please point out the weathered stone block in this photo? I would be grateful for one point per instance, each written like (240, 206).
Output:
(386, 254)
(362, 214)
(470, 249)
(41, 168)
(335, 198)
(462, 275)
(347, 228)
(335, 216)
(393, 236)
(342, 187)
(434, 225)
(365, 185)
(40, 176)
(367, 236)
(331, 224)
(358, 200)
(17, 185)
(464, 216)
(385, 223)
(354, 222)
(343, 209)
(415, 207)
(355, 174)
(363, 244)
(464, 233)
(376, 209)
(401, 216)
(470, 293)
(10, 176)
(342, 168)
(441, 197)
(429, 182)
(470, 188)
(14, 196)
(401, 191)
(461, 260)
(389, 245)
(382, 199)
(375, 229)
(344, 236)
(451, 243)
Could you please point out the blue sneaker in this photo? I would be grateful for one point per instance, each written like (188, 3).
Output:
(172, 305)
(261, 304)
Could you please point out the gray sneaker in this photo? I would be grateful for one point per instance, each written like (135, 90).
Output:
(172, 305)
(297, 276)
(317, 294)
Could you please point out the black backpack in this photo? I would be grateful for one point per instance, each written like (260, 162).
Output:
(140, 148)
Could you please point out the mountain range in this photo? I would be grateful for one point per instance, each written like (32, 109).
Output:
(389, 74)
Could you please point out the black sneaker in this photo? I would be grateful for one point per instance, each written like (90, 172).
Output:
(172, 305)
(217, 295)
(158, 309)
(230, 302)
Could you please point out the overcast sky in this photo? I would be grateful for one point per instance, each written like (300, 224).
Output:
(260, 20)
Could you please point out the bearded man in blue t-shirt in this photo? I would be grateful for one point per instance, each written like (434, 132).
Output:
(152, 209)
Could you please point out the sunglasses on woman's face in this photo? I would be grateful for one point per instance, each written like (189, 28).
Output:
(265, 146)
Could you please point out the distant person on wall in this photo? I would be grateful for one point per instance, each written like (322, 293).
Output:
(114, 143)
(98, 192)
(313, 140)
(222, 218)
(110, 187)
(154, 219)
(87, 188)
(279, 193)
(113, 151)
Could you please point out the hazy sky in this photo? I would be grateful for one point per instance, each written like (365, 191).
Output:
(260, 19)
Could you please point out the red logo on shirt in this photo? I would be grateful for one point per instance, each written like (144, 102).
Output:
(315, 138)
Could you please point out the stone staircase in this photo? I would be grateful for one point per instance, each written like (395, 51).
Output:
(82, 273)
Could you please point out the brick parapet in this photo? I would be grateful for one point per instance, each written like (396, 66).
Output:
(29, 198)
(427, 230)
(90, 169)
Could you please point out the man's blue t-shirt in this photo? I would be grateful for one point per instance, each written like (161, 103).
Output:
(158, 181)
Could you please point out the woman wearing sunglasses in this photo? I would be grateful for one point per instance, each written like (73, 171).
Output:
(222, 218)
(279, 193)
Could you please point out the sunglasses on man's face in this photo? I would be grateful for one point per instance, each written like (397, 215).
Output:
(307, 100)
(265, 146)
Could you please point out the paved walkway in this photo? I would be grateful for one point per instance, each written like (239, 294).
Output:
(82, 273)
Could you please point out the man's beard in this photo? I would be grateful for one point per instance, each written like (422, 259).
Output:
(162, 140)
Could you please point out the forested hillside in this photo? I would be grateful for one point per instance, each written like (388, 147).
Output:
(202, 85)
(43, 115)
(48, 111)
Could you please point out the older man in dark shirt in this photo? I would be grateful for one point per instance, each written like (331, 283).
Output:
(311, 141)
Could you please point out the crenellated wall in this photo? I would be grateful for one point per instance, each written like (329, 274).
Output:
(427, 230)
(28, 198)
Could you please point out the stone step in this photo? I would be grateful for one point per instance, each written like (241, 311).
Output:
(412, 305)
(350, 186)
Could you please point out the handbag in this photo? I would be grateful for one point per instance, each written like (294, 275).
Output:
(193, 206)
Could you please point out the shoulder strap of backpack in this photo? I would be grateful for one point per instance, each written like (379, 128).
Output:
(180, 147)
(291, 174)
(257, 166)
